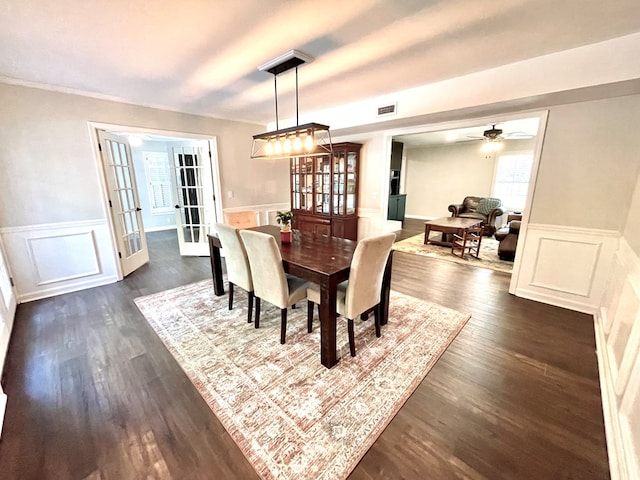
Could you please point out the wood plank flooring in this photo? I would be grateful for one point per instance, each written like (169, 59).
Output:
(93, 393)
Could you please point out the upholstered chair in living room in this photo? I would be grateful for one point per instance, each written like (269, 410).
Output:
(237, 263)
(270, 282)
(508, 238)
(486, 209)
(361, 292)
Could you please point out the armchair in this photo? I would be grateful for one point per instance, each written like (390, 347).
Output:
(508, 238)
(486, 209)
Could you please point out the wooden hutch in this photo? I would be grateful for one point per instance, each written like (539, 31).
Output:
(324, 192)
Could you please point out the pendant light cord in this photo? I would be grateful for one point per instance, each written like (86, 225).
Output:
(297, 120)
(275, 86)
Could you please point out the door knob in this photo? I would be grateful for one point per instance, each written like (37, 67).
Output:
(177, 206)
(138, 209)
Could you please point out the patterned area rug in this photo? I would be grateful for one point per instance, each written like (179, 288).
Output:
(488, 252)
(291, 417)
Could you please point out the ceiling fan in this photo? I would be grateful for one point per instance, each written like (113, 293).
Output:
(494, 134)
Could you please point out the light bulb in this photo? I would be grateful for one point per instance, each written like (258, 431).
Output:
(277, 148)
(297, 144)
(309, 143)
(497, 146)
(287, 145)
(268, 148)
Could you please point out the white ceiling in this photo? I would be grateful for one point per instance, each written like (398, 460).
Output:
(201, 56)
(519, 129)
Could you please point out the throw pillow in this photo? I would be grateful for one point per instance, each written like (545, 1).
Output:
(485, 205)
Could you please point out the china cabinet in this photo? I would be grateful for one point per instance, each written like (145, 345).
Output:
(324, 192)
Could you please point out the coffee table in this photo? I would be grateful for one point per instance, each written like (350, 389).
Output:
(448, 225)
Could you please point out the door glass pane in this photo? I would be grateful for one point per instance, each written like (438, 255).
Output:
(119, 177)
(124, 202)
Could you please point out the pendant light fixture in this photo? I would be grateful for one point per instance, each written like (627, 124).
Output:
(309, 139)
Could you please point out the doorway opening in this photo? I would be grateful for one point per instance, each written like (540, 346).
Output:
(440, 165)
(172, 187)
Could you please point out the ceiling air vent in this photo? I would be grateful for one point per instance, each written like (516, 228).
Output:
(387, 110)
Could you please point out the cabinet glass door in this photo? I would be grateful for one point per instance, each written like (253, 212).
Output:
(295, 183)
(351, 183)
(338, 183)
(322, 185)
(302, 183)
(306, 183)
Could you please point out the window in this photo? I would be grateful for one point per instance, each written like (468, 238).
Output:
(158, 171)
(512, 180)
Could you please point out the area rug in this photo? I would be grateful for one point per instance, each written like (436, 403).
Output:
(488, 253)
(291, 417)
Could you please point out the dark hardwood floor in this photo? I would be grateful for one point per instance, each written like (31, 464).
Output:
(93, 393)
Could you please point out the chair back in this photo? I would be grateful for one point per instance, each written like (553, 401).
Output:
(236, 260)
(366, 274)
(267, 272)
(244, 219)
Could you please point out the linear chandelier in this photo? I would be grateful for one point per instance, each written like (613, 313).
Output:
(309, 139)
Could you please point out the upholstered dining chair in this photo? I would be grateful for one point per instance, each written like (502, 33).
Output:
(270, 282)
(361, 292)
(238, 269)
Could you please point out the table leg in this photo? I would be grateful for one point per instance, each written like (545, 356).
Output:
(328, 290)
(386, 289)
(216, 269)
(427, 230)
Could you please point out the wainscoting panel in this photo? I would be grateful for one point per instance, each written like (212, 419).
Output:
(566, 266)
(53, 259)
(44, 250)
(617, 325)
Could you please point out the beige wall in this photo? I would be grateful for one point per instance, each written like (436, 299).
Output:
(589, 165)
(439, 176)
(47, 165)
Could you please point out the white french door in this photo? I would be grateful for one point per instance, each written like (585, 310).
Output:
(8, 302)
(123, 202)
(195, 197)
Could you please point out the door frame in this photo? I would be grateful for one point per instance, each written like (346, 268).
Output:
(470, 122)
(97, 157)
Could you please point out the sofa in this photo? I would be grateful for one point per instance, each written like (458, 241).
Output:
(486, 209)
(508, 238)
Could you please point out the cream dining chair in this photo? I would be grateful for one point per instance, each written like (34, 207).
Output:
(237, 263)
(361, 292)
(270, 282)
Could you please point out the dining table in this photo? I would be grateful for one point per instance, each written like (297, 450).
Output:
(322, 259)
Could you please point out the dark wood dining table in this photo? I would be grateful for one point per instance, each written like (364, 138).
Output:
(321, 259)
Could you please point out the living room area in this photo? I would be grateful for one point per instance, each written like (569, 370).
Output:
(481, 172)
